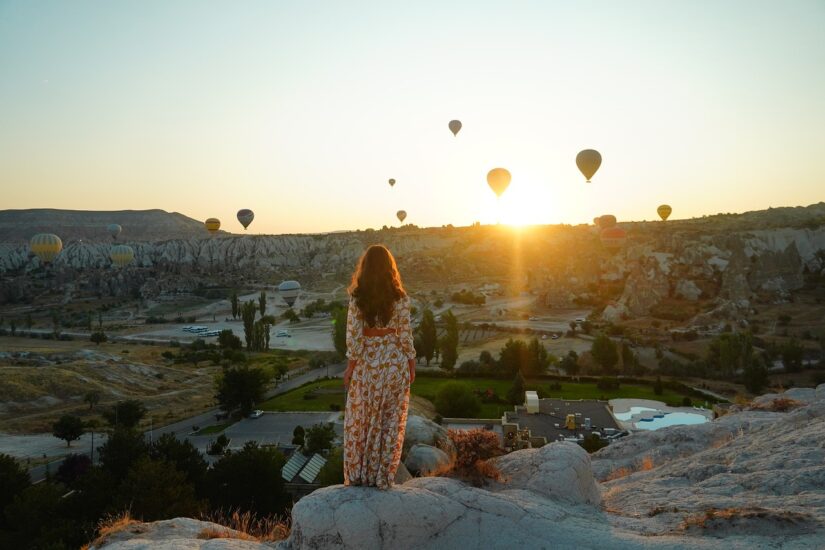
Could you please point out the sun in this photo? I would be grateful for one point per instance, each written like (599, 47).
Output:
(521, 206)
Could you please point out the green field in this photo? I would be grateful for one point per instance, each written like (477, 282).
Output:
(427, 388)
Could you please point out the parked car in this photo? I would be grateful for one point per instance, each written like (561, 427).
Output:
(256, 413)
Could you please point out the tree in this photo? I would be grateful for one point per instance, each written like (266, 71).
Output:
(604, 353)
(125, 414)
(570, 363)
(248, 311)
(449, 343)
(512, 356)
(298, 435)
(73, 468)
(792, 355)
(13, 479)
(262, 303)
(122, 449)
(92, 397)
(537, 358)
(456, 400)
(38, 516)
(248, 480)
(427, 335)
(515, 395)
(69, 428)
(98, 337)
(13, 327)
(339, 330)
(332, 473)
(236, 307)
(291, 316)
(154, 490)
(228, 340)
(658, 389)
(593, 443)
(628, 359)
(730, 352)
(755, 376)
(240, 388)
(185, 457)
(573, 327)
(319, 438)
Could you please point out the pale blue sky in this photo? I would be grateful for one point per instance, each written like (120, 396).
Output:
(303, 110)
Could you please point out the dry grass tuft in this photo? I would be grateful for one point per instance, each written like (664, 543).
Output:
(245, 526)
(780, 404)
(644, 465)
(113, 524)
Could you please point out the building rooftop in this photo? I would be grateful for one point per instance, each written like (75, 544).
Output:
(549, 422)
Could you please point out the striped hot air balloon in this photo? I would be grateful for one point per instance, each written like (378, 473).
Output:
(245, 216)
(114, 230)
(46, 246)
(212, 225)
(289, 291)
(613, 237)
(607, 221)
(122, 255)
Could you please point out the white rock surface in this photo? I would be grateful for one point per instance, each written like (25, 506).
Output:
(426, 432)
(176, 534)
(424, 460)
(749, 480)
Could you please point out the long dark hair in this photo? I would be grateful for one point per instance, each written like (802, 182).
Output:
(376, 285)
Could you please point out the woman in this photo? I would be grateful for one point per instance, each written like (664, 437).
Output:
(379, 372)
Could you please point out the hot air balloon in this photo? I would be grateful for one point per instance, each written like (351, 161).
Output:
(114, 230)
(46, 246)
(402, 215)
(212, 225)
(613, 237)
(664, 211)
(289, 291)
(392, 182)
(245, 216)
(122, 255)
(498, 179)
(607, 221)
(588, 162)
(455, 126)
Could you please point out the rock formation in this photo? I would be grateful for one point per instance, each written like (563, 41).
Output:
(752, 479)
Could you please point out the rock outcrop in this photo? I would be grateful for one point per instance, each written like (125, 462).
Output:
(425, 460)
(752, 479)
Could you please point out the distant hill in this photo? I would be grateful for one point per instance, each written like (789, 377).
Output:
(138, 225)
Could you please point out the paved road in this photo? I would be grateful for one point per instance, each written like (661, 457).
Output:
(183, 428)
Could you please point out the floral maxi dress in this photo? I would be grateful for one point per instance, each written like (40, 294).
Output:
(377, 399)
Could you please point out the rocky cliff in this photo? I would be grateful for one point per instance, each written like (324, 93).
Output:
(18, 226)
(704, 271)
(752, 479)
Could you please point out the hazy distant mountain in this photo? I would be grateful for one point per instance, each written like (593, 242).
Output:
(138, 225)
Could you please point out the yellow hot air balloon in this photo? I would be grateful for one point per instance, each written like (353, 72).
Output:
(122, 255)
(392, 182)
(664, 211)
(46, 246)
(455, 126)
(498, 179)
(588, 162)
(212, 225)
(402, 215)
